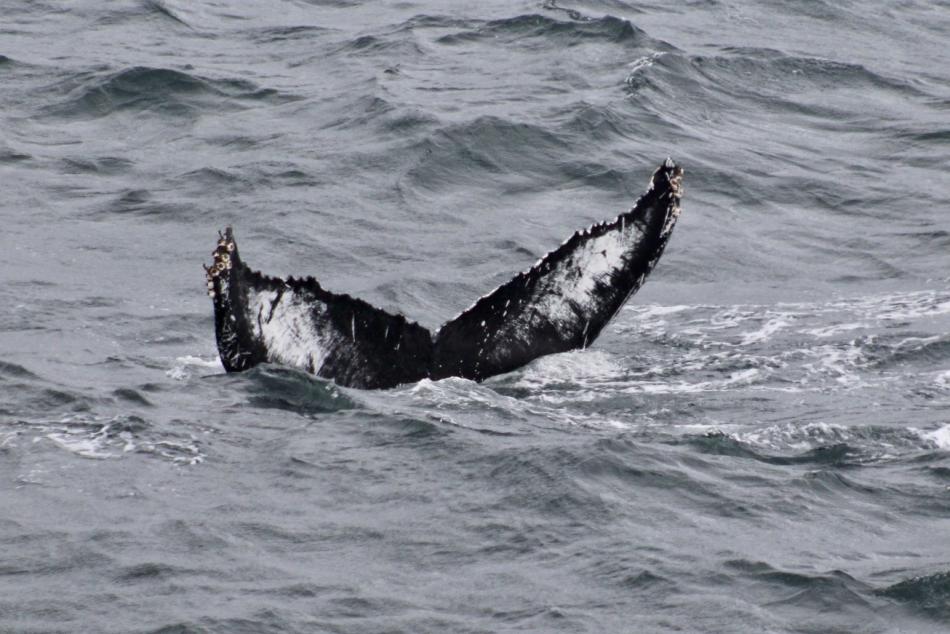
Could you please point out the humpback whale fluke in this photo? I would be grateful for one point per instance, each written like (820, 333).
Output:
(561, 303)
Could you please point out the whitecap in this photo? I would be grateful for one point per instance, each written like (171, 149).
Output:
(768, 329)
(579, 366)
(640, 64)
(835, 329)
(180, 370)
(82, 444)
(795, 436)
(939, 437)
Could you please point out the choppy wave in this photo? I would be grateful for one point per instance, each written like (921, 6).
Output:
(160, 91)
(280, 388)
(930, 593)
(522, 27)
(90, 437)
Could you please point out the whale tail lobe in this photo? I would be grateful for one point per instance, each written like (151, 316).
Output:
(296, 322)
(565, 300)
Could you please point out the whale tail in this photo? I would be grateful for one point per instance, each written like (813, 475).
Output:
(561, 303)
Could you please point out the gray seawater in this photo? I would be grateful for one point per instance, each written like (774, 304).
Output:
(760, 442)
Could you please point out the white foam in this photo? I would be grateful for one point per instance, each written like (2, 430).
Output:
(179, 371)
(640, 64)
(81, 443)
(739, 378)
(179, 452)
(9, 439)
(188, 359)
(939, 437)
(836, 362)
(835, 329)
(912, 306)
(655, 310)
(101, 441)
(463, 403)
(575, 366)
(794, 436)
(768, 329)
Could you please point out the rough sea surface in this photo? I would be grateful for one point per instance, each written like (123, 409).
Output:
(760, 442)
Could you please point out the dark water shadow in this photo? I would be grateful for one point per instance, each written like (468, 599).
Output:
(275, 387)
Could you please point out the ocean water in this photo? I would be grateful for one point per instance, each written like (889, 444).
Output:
(760, 442)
